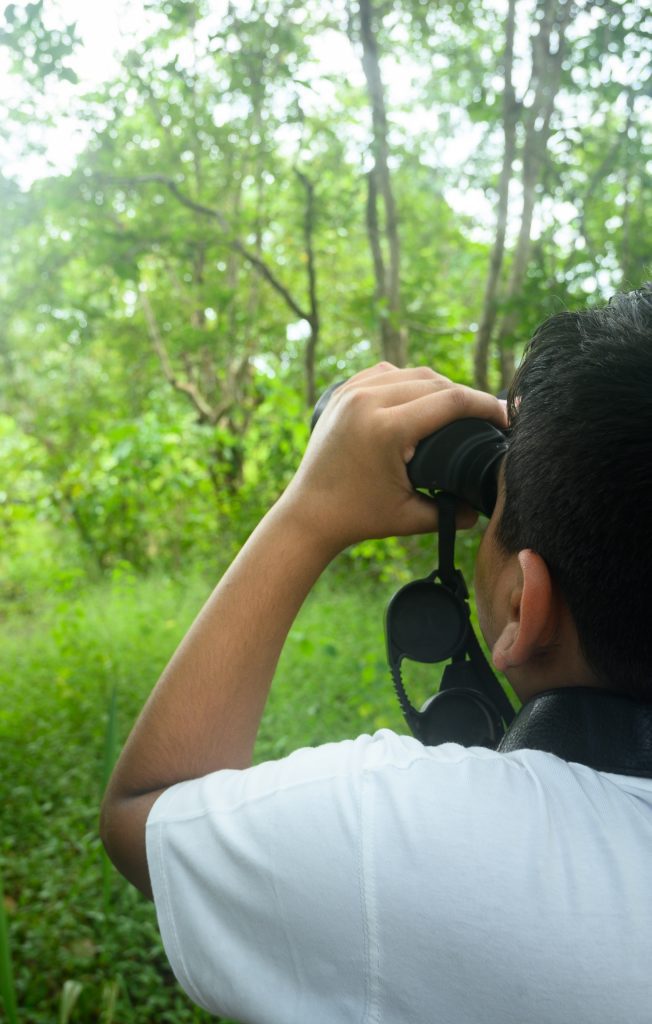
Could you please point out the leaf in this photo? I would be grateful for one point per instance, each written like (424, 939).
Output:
(69, 75)
(34, 10)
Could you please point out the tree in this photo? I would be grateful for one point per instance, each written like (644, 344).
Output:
(550, 129)
(387, 267)
(169, 307)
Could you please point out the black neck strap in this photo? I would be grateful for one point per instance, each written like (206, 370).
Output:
(446, 508)
(598, 728)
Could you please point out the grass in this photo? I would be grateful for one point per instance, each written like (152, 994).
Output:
(7, 990)
(81, 940)
(74, 674)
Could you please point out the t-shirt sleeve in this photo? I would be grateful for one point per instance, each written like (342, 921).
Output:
(257, 883)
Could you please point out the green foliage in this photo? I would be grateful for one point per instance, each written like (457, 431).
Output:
(37, 50)
(153, 332)
(73, 677)
(7, 990)
(72, 920)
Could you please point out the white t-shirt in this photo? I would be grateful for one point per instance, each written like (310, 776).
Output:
(378, 881)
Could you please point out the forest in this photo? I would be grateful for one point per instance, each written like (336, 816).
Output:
(254, 200)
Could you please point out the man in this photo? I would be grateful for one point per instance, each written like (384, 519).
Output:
(378, 880)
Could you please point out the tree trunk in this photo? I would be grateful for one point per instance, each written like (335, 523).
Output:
(627, 262)
(554, 16)
(387, 273)
(313, 318)
(489, 306)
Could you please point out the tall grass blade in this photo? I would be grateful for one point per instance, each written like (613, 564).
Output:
(110, 756)
(69, 995)
(7, 989)
(110, 737)
(110, 993)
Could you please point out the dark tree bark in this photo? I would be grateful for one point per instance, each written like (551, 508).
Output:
(547, 50)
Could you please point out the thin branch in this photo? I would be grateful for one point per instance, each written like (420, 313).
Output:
(208, 211)
(186, 387)
(546, 74)
(308, 231)
(393, 336)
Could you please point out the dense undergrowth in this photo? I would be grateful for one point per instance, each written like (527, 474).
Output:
(74, 673)
(77, 664)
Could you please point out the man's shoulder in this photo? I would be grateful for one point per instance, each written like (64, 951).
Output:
(386, 764)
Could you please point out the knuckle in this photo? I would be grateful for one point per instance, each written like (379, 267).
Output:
(355, 399)
(459, 398)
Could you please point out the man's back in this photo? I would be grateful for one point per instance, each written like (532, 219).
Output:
(379, 880)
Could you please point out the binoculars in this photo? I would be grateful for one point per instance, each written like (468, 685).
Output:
(429, 620)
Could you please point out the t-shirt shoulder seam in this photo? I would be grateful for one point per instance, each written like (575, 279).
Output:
(361, 771)
(245, 800)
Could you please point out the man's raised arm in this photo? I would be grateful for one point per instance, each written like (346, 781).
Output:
(204, 712)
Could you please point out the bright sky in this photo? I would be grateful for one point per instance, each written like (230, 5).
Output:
(106, 29)
(109, 28)
(101, 26)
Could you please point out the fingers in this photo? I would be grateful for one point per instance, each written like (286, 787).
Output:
(426, 413)
(421, 516)
(378, 396)
(394, 386)
(371, 371)
(421, 400)
(385, 373)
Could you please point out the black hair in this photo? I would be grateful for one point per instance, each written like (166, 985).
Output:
(578, 477)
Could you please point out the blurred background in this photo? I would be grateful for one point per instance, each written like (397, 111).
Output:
(209, 212)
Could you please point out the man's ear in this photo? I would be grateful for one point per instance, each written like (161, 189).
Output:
(532, 615)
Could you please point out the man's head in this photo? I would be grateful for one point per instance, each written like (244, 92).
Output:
(577, 493)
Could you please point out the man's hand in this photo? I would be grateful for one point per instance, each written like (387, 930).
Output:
(352, 484)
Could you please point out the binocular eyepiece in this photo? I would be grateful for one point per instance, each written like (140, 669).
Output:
(463, 458)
